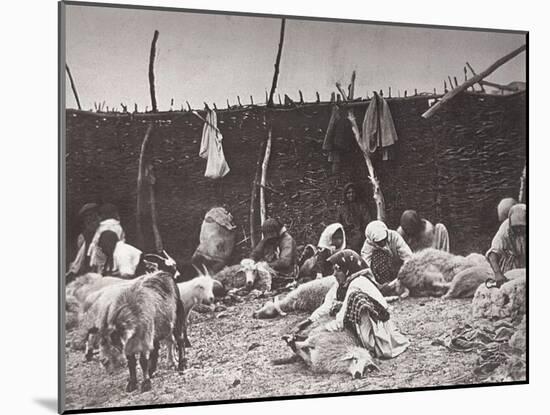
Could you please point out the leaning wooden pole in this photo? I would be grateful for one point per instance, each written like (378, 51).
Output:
(254, 232)
(263, 181)
(73, 86)
(151, 71)
(140, 192)
(277, 63)
(476, 79)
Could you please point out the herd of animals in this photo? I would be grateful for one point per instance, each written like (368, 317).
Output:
(128, 320)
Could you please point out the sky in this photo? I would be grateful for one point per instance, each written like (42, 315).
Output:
(212, 58)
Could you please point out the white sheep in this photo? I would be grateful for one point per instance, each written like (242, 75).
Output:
(429, 273)
(306, 297)
(247, 274)
(334, 352)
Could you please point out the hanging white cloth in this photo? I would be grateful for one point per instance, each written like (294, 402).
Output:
(212, 149)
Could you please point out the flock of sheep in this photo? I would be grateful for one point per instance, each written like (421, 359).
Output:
(128, 320)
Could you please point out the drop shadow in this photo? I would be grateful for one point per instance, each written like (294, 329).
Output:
(48, 403)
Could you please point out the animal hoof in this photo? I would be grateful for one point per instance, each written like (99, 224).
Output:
(132, 386)
(146, 385)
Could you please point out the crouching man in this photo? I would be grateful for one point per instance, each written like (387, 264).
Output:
(277, 248)
(420, 233)
(508, 248)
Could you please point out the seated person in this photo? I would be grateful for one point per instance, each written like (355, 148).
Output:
(89, 221)
(361, 308)
(277, 248)
(121, 259)
(314, 259)
(384, 251)
(110, 221)
(420, 233)
(354, 216)
(509, 245)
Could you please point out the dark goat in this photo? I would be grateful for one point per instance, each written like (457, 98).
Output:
(147, 312)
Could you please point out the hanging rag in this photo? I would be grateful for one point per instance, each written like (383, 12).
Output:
(378, 128)
(211, 148)
(338, 135)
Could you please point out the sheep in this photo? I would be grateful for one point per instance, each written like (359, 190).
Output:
(199, 290)
(306, 297)
(465, 283)
(497, 303)
(429, 273)
(146, 312)
(248, 274)
(334, 352)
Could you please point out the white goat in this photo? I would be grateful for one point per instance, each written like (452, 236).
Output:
(247, 274)
(199, 290)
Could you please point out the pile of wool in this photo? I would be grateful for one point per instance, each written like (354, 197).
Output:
(508, 301)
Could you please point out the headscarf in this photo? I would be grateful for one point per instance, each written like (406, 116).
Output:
(325, 241)
(504, 207)
(376, 231)
(518, 215)
(411, 222)
(349, 263)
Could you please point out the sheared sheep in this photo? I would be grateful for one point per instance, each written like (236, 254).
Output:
(199, 290)
(429, 273)
(333, 352)
(497, 303)
(146, 312)
(465, 283)
(248, 274)
(306, 297)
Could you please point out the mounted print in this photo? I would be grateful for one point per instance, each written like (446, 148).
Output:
(258, 207)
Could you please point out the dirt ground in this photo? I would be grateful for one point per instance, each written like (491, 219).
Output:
(232, 352)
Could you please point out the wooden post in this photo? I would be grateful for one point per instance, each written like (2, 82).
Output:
(389, 92)
(263, 181)
(253, 218)
(405, 93)
(280, 103)
(450, 82)
(266, 97)
(228, 106)
(151, 72)
(188, 105)
(239, 101)
(465, 74)
(73, 86)
(332, 97)
(415, 92)
(474, 73)
(277, 62)
(318, 96)
(435, 92)
(135, 107)
(351, 90)
(472, 81)
(140, 179)
(301, 97)
(214, 105)
(171, 103)
(456, 82)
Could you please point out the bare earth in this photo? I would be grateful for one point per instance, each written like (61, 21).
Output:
(232, 352)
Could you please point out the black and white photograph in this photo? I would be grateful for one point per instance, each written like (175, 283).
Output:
(261, 207)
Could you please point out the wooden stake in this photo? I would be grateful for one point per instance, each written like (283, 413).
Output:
(450, 82)
(263, 181)
(405, 93)
(151, 72)
(253, 218)
(280, 103)
(135, 107)
(188, 105)
(456, 82)
(73, 86)
(277, 62)
(239, 101)
(389, 92)
(318, 96)
(251, 100)
(351, 88)
(474, 73)
(332, 97)
(445, 87)
(140, 179)
(472, 81)
(228, 106)
(266, 97)
(301, 97)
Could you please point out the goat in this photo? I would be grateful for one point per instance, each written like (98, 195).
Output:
(306, 297)
(199, 290)
(429, 273)
(146, 312)
(248, 274)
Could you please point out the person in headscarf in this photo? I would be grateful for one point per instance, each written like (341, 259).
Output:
(384, 251)
(354, 216)
(359, 306)
(420, 233)
(121, 259)
(314, 259)
(509, 245)
(504, 207)
(89, 219)
(110, 221)
(277, 248)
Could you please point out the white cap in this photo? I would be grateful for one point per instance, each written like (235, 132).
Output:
(376, 231)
